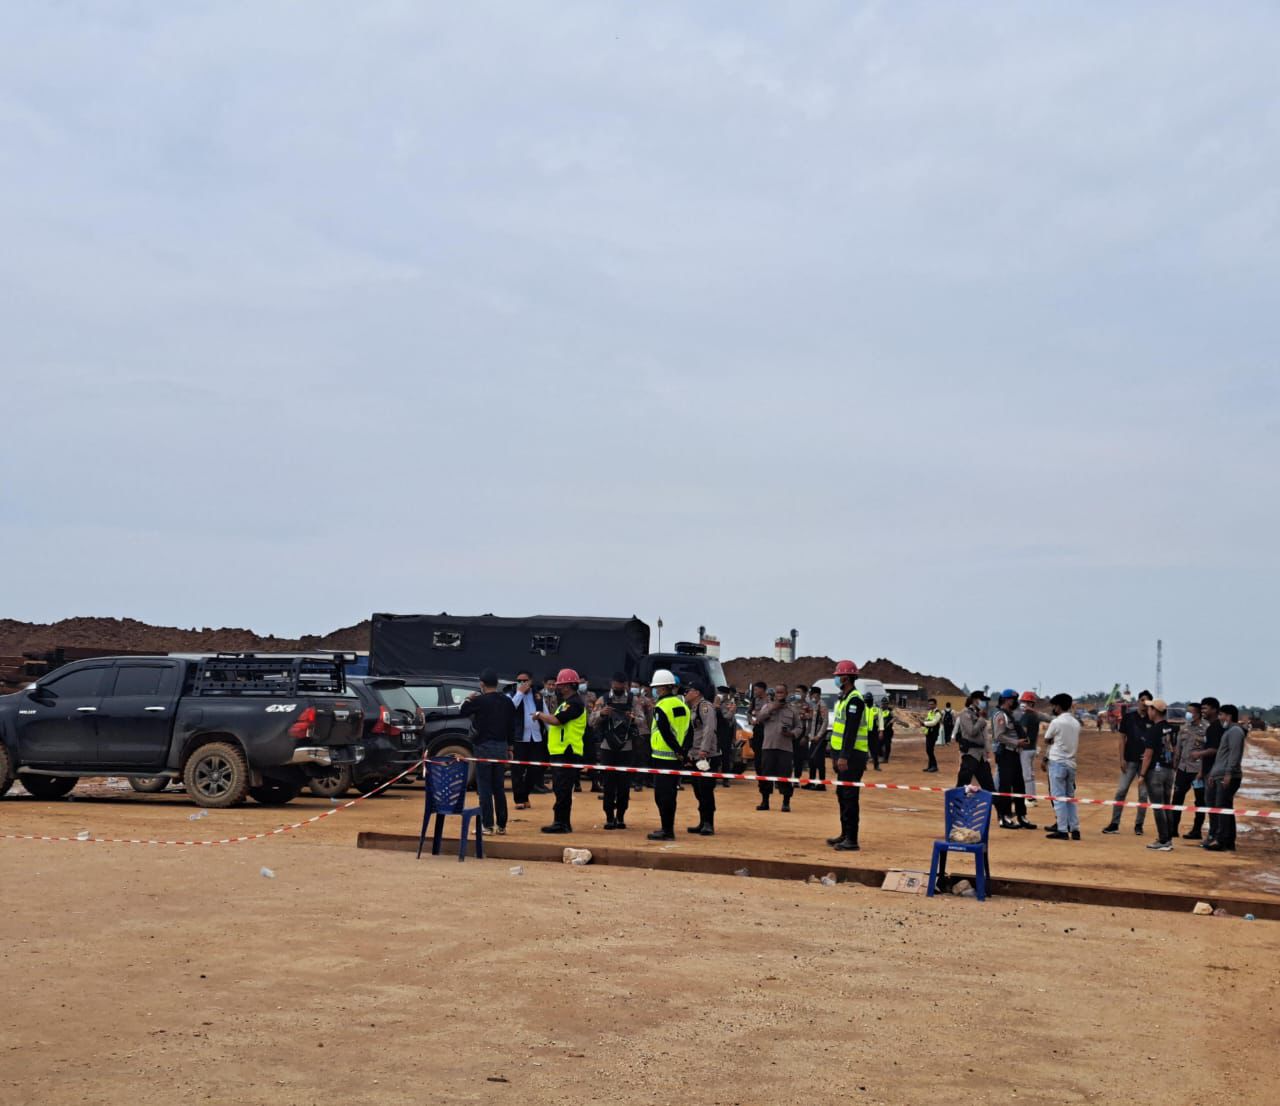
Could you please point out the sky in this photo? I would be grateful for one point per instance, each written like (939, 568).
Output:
(946, 333)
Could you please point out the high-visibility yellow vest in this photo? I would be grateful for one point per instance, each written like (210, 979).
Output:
(860, 744)
(568, 735)
(678, 715)
(933, 720)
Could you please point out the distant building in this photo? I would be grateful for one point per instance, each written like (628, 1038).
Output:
(783, 650)
(711, 644)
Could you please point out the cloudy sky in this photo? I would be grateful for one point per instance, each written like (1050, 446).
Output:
(941, 332)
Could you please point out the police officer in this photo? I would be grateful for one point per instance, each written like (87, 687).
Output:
(704, 751)
(932, 724)
(614, 724)
(850, 729)
(566, 743)
(669, 746)
(727, 723)
(886, 728)
(873, 729)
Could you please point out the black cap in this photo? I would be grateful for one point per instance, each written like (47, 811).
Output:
(620, 677)
(489, 678)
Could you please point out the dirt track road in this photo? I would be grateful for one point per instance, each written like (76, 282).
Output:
(140, 976)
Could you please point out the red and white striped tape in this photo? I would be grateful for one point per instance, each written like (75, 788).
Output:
(870, 785)
(82, 839)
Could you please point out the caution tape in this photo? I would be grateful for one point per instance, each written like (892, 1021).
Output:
(85, 838)
(870, 786)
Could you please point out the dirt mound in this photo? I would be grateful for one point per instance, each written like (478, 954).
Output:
(81, 636)
(17, 638)
(744, 671)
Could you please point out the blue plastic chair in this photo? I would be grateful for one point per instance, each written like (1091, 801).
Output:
(971, 809)
(445, 792)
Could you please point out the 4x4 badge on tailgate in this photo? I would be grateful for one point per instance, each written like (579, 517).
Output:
(282, 708)
(341, 715)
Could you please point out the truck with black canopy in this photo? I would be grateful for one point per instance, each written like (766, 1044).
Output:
(461, 645)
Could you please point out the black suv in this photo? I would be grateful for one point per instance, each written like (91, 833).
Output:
(394, 729)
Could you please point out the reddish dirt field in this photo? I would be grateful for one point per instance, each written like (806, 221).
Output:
(141, 975)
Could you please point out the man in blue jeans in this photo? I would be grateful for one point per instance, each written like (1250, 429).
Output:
(495, 720)
(1062, 740)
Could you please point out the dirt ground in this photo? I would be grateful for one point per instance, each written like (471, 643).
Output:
(145, 975)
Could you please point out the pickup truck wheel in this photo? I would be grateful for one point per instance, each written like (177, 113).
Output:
(149, 785)
(216, 775)
(335, 783)
(6, 771)
(275, 793)
(48, 787)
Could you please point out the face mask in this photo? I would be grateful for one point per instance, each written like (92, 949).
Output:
(582, 689)
(635, 691)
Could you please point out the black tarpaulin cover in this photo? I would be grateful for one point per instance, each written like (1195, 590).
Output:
(458, 645)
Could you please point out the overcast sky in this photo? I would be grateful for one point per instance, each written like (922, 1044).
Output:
(940, 332)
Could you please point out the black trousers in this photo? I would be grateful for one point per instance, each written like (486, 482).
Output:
(873, 748)
(776, 762)
(562, 783)
(1184, 782)
(728, 735)
(980, 770)
(886, 744)
(757, 746)
(799, 758)
(849, 799)
(640, 758)
(930, 739)
(665, 794)
(524, 778)
(818, 760)
(617, 785)
(705, 790)
(1222, 792)
(1010, 765)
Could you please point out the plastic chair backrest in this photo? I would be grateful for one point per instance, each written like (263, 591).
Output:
(971, 809)
(447, 784)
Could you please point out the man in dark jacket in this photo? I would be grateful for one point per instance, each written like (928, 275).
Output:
(1133, 738)
(613, 722)
(494, 717)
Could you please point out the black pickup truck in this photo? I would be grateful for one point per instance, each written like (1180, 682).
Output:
(227, 726)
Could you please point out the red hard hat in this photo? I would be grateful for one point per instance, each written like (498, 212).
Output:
(846, 668)
(568, 676)
(1027, 697)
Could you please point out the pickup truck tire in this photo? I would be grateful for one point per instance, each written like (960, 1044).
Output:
(333, 785)
(48, 787)
(275, 793)
(6, 771)
(216, 775)
(149, 785)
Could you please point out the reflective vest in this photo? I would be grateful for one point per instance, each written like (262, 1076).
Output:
(569, 735)
(932, 720)
(678, 715)
(837, 727)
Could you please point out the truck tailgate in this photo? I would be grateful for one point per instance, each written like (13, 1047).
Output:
(338, 721)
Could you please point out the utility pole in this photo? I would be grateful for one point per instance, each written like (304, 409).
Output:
(1159, 668)
(794, 654)
(659, 635)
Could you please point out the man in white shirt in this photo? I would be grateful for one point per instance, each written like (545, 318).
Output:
(1062, 740)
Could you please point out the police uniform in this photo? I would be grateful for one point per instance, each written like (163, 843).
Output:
(873, 732)
(615, 730)
(885, 718)
(932, 723)
(668, 746)
(850, 742)
(704, 744)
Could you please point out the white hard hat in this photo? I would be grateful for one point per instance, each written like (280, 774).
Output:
(663, 678)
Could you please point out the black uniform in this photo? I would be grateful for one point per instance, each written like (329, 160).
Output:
(615, 743)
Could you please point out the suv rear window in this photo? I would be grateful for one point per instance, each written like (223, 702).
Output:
(397, 698)
(425, 695)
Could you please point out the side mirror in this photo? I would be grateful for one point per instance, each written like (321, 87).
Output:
(38, 694)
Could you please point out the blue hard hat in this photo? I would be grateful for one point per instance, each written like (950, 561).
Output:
(1008, 693)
